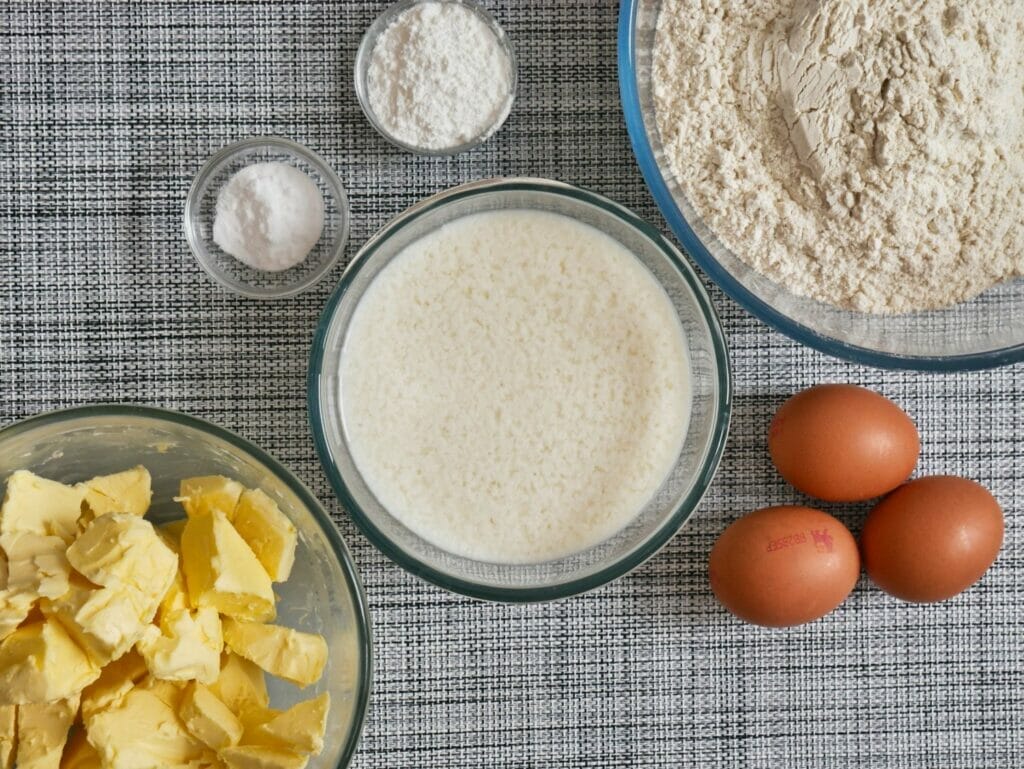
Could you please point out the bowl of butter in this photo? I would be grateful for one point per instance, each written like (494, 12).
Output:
(171, 596)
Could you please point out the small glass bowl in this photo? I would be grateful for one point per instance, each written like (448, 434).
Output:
(362, 68)
(661, 517)
(201, 208)
(323, 595)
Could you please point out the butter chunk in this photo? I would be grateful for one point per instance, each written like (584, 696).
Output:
(260, 757)
(268, 532)
(37, 565)
(221, 570)
(129, 491)
(186, 647)
(8, 735)
(206, 494)
(42, 731)
(301, 728)
(40, 506)
(79, 754)
(123, 551)
(14, 609)
(241, 686)
(209, 719)
(289, 654)
(142, 732)
(40, 663)
(117, 679)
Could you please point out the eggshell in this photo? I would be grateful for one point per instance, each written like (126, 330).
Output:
(843, 443)
(783, 566)
(932, 538)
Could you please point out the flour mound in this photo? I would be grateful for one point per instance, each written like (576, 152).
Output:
(866, 154)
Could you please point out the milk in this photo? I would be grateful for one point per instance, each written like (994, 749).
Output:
(515, 386)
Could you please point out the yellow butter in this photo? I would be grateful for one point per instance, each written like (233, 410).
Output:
(221, 570)
(142, 731)
(116, 680)
(267, 531)
(79, 754)
(8, 735)
(241, 686)
(37, 565)
(123, 551)
(40, 663)
(129, 491)
(185, 647)
(290, 654)
(42, 732)
(208, 719)
(173, 532)
(204, 494)
(14, 609)
(259, 757)
(40, 506)
(301, 728)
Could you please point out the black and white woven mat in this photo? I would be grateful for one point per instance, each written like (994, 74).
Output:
(107, 110)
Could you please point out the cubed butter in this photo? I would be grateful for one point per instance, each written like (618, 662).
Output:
(79, 754)
(129, 491)
(123, 551)
(290, 654)
(40, 506)
(8, 735)
(42, 732)
(300, 728)
(39, 662)
(142, 732)
(185, 647)
(241, 686)
(208, 719)
(260, 757)
(221, 570)
(116, 680)
(36, 564)
(205, 494)
(267, 531)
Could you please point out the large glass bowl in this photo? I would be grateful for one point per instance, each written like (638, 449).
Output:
(984, 332)
(323, 595)
(663, 515)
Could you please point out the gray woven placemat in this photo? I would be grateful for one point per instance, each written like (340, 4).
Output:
(106, 112)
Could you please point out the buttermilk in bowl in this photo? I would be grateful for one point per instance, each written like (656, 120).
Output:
(515, 386)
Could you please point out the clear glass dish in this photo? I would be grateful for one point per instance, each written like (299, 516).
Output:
(323, 595)
(362, 67)
(662, 516)
(984, 332)
(201, 208)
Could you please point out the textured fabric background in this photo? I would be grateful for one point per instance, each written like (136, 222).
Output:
(107, 111)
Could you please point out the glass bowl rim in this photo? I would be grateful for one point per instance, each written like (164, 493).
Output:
(629, 95)
(287, 146)
(369, 41)
(671, 523)
(338, 546)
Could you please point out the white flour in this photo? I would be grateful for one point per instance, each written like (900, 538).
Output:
(866, 153)
(439, 77)
(269, 216)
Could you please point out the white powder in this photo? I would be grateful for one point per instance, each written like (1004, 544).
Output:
(439, 77)
(269, 216)
(515, 386)
(866, 153)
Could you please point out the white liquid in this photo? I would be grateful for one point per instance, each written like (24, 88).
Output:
(515, 386)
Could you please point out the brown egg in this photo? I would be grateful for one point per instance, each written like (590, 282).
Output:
(784, 566)
(843, 443)
(932, 538)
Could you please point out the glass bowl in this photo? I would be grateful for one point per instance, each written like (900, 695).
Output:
(201, 207)
(362, 68)
(323, 595)
(678, 496)
(984, 332)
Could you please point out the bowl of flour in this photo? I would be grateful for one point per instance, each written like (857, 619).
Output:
(850, 172)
